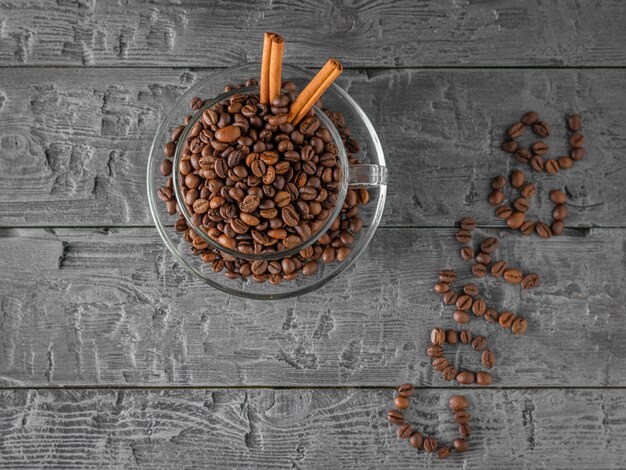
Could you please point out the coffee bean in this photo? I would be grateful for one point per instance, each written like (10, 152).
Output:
(471, 289)
(519, 326)
(513, 276)
(490, 244)
(573, 122)
(437, 336)
(479, 307)
(416, 440)
(530, 118)
(557, 227)
(443, 452)
(577, 154)
(527, 227)
(498, 182)
(537, 163)
(196, 103)
(491, 316)
(488, 359)
(406, 390)
(528, 190)
(468, 223)
(435, 351)
(509, 146)
(479, 343)
(541, 128)
(498, 268)
(516, 220)
(200, 206)
(461, 445)
(461, 317)
(505, 319)
(464, 303)
(458, 402)
(484, 378)
(565, 162)
(465, 377)
(558, 197)
(464, 236)
(523, 155)
(401, 402)
(462, 417)
(559, 212)
(503, 212)
(430, 444)
(450, 297)
(516, 130)
(452, 337)
(309, 268)
(228, 134)
(449, 373)
(395, 417)
(442, 287)
(467, 253)
(577, 141)
(440, 363)
(517, 178)
(447, 275)
(551, 167)
(483, 258)
(465, 430)
(404, 431)
(530, 281)
(539, 148)
(521, 204)
(465, 336)
(543, 230)
(495, 197)
(479, 270)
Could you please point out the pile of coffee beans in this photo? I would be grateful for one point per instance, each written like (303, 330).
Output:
(458, 404)
(535, 156)
(256, 184)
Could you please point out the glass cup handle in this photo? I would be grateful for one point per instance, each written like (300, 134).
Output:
(367, 176)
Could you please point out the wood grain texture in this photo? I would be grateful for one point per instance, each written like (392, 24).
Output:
(73, 151)
(305, 429)
(111, 307)
(362, 33)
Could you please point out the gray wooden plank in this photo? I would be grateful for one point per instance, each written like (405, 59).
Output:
(365, 33)
(111, 307)
(516, 429)
(73, 151)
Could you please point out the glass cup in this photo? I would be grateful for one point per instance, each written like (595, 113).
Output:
(370, 173)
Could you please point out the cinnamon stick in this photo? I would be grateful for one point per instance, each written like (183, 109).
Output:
(276, 66)
(265, 67)
(314, 90)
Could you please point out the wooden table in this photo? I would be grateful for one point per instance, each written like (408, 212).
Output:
(112, 355)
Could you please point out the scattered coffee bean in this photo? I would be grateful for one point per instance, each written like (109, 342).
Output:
(416, 440)
(519, 326)
(488, 359)
(537, 163)
(573, 122)
(543, 230)
(462, 417)
(517, 178)
(479, 270)
(461, 317)
(430, 444)
(404, 431)
(530, 281)
(466, 377)
(565, 162)
(577, 154)
(401, 402)
(467, 253)
(557, 227)
(551, 167)
(452, 337)
(464, 303)
(465, 336)
(503, 212)
(527, 227)
(479, 343)
(539, 148)
(489, 245)
(521, 204)
(450, 297)
(523, 155)
(461, 445)
(495, 197)
(442, 287)
(509, 146)
(465, 430)
(498, 268)
(435, 351)
(449, 373)
(447, 275)
(483, 258)
(528, 190)
(471, 289)
(443, 452)
(491, 316)
(458, 402)
(484, 378)
(395, 417)
(479, 307)
(406, 390)
(558, 197)
(498, 182)
(464, 236)
(577, 141)
(530, 118)
(506, 319)
(468, 223)
(437, 336)
(513, 276)
(559, 212)
(516, 130)
(541, 128)
(516, 220)
(440, 363)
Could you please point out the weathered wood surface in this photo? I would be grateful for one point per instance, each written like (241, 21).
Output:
(556, 429)
(112, 307)
(73, 149)
(374, 33)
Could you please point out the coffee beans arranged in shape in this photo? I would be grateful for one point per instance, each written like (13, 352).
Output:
(255, 183)
(458, 405)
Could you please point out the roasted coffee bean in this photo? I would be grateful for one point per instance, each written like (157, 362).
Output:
(559, 212)
(416, 440)
(471, 289)
(290, 216)
(509, 146)
(449, 373)
(495, 197)
(443, 452)
(437, 336)
(498, 182)
(464, 236)
(483, 258)
(573, 122)
(442, 287)
(458, 402)
(489, 245)
(465, 377)
(465, 336)
(527, 227)
(528, 190)
(309, 268)
(513, 276)
(395, 417)
(479, 343)
(577, 141)
(468, 223)
(465, 430)
(565, 162)
(228, 134)
(541, 128)
(447, 275)
(467, 253)
(196, 103)
(430, 444)
(406, 390)
(521, 204)
(523, 155)
(450, 297)
(462, 417)
(435, 351)
(461, 445)
(464, 302)
(401, 402)
(530, 281)
(516, 130)
(498, 268)
(537, 163)
(479, 307)
(452, 337)
(551, 167)
(491, 316)
(558, 197)
(530, 118)
(404, 431)
(543, 230)
(539, 148)
(479, 270)
(503, 212)
(557, 227)
(440, 363)
(200, 206)
(516, 220)
(484, 378)
(519, 326)
(577, 154)
(505, 319)
(488, 359)
(517, 178)
(461, 317)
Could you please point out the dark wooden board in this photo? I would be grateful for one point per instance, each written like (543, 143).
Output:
(73, 149)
